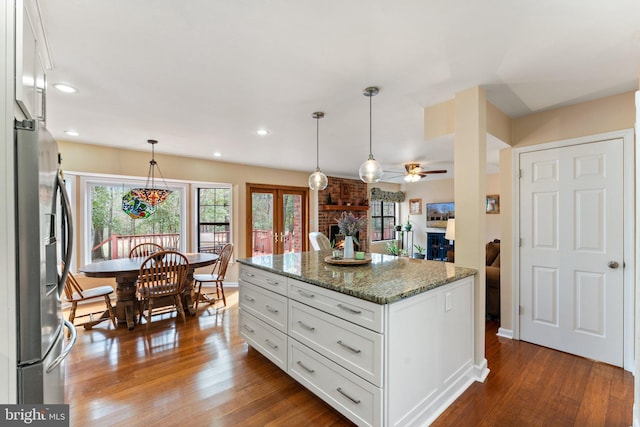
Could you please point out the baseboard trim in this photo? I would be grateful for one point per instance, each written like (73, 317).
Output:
(505, 333)
(440, 403)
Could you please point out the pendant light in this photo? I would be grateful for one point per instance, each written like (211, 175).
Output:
(318, 180)
(150, 194)
(370, 171)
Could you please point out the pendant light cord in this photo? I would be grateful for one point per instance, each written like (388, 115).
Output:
(317, 143)
(370, 127)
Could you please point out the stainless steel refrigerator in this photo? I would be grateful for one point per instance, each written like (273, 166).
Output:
(44, 239)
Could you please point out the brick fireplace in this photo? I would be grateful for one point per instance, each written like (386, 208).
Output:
(343, 195)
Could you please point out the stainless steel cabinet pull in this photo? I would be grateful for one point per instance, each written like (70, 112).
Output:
(248, 298)
(271, 309)
(270, 344)
(271, 282)
(311, 371)
(304, 294)
(248, 328)
(356, 401)
(349, 309)
(250, 275)
(307, 327)
(348, 347)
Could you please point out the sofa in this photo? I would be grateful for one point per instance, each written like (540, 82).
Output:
(492, 250)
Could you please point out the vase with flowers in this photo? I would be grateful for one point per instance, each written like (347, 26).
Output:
(350, 225)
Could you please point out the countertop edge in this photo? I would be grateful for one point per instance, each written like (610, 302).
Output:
(461, 273)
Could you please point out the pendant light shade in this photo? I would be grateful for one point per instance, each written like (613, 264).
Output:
(318, 180)
(150, 194)
(370, 171)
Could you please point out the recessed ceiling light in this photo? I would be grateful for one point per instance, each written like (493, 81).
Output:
(217, 154)
(262, 132)
(65, 88)
(71, 132)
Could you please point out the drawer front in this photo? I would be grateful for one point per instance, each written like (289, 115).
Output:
(267, 340)
(266, 306)
(358, 311)
(349, 394)
(265, 279)
(353, 347)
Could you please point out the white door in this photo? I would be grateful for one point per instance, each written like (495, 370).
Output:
(571, 254)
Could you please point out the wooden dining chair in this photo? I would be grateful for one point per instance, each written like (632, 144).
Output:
(144, 249)
(162, 275)
(74, 294)
(216, 276)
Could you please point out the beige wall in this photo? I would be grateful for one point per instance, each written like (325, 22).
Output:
(86, 158)
(602, 115)
(588, 118)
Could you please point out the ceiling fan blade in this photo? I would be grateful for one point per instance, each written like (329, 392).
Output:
(423, 173)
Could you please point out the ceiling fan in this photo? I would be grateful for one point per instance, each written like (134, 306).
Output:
(415, 172)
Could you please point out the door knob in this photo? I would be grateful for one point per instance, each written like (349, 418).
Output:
(613, 264)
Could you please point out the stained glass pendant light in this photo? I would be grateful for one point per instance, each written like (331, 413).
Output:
(318, 180)
(136, 208)
(370, 171)
(150, 193)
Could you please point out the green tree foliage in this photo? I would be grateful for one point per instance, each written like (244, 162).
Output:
(262, 215)
(108, 218)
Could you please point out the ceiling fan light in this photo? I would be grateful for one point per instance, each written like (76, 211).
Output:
(412, 177)
(370, 171)
(318, 180)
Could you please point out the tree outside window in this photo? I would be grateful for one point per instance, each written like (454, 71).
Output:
(113, 233)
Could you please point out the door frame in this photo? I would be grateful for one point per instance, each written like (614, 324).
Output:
(248, 220)
(628, 194)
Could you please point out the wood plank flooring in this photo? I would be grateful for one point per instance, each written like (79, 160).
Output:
(202, 374)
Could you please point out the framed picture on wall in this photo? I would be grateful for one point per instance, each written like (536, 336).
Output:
(439, 213)
(415, 206)
(493, 204)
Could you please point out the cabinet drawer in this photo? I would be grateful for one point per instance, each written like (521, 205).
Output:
(358, 311)
(265, 279)
(266, 306)
(353, 347)
(353, 397)
(267, 340)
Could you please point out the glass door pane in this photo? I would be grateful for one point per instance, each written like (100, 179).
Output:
(262, 223)
(293, 221)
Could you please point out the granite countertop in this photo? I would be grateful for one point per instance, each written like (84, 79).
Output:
(385, 280)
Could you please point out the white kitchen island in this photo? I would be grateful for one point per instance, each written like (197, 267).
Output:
(390, 343)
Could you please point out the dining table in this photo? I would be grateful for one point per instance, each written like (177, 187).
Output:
(126, 270)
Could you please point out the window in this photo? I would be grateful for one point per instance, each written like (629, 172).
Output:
(383, 220)
(213, 218)
(110, 233)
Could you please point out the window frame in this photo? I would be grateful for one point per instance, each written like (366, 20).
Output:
(381, 211)
(88, 181)
(195, 230)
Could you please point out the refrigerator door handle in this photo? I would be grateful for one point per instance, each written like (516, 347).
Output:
(66, 207)
(58, 360)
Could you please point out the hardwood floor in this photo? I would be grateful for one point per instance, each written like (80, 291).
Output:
(202, 374)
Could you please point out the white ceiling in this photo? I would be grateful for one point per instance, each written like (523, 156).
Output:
(203, 75)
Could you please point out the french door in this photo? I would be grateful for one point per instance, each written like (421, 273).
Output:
(277, 219)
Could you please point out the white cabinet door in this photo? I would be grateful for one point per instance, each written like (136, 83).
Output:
(26, 61)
